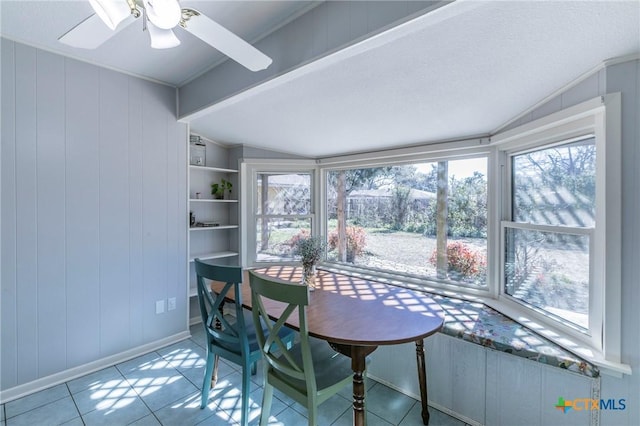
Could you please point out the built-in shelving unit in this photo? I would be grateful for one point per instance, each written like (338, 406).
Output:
(212, 228)
(212, 169)
(214, 255)
(215, 233)
(210, 200)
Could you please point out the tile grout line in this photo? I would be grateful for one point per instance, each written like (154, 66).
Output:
(74, 402)
(189, 381)
(36, 407)
(136, 392)
(407, 413)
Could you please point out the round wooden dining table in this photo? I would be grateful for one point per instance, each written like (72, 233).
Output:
(355, 315)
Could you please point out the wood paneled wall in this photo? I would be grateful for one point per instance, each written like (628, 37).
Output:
(93, 213)
(483, 386)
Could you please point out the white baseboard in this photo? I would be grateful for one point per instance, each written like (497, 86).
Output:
(394, 387)
(452, 413)
(19, 391)
(435, 405)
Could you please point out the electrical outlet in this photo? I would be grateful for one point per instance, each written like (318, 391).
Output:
(171, 305)
(160, 307)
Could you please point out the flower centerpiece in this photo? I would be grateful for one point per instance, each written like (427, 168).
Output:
(310, 249)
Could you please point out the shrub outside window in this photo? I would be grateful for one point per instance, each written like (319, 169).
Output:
(425, 219)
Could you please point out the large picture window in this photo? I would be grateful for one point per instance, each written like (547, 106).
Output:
(424, 219)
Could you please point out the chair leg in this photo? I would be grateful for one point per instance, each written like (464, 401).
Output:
(207, 379)
(254, 368)
(214, 375)
(267, 397)
(246, 389)
(312, 412)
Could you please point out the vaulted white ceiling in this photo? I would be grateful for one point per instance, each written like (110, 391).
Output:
(461, 70)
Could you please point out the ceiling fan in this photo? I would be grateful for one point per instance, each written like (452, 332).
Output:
(160, 18)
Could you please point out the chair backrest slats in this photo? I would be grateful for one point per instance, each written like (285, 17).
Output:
(284, 291)
(275, 352)
(216, 325)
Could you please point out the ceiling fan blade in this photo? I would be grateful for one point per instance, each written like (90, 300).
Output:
(92, 32)
(227, 42)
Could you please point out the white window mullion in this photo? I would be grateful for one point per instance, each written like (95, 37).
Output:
(548, 228)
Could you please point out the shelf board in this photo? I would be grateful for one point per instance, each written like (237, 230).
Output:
(212, 169)
(193, 291)
(210, 200)
(215, 255)
(209, 228)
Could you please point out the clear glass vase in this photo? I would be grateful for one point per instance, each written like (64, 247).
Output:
(309, 275)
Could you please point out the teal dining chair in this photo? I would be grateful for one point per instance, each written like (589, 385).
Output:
(234, 341)
(309, 372)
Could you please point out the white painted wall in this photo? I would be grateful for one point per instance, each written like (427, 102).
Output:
(93, 214)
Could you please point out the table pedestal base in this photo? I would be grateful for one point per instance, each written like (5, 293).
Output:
(422, 379)
(358, 365)
(358, 355)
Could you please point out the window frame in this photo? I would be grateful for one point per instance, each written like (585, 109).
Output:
(599, 117)
(593, 330)
(249, 170)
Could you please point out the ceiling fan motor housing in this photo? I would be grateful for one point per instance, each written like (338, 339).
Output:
(164, 14)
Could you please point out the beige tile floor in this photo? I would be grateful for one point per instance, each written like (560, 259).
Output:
(162, 388)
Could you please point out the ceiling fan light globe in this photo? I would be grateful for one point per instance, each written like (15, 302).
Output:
(161, 38)
(164, 14)
(112, 12)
